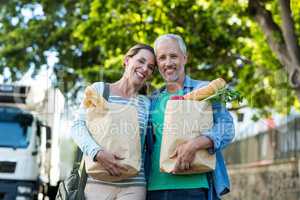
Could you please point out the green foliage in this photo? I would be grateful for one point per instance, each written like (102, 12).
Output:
(203, 24)
(91, 36)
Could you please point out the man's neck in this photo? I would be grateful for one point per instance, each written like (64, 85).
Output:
(173, 87)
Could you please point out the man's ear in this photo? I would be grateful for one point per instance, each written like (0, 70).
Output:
(185, 58)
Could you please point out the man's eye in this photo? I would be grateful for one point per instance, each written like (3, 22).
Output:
(161, 58)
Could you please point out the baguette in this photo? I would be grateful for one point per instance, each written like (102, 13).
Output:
(92, 99)
(206, 91)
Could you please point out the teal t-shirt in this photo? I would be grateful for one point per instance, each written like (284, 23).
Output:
(165, 181)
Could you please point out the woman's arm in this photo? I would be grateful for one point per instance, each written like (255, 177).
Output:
(82, 136)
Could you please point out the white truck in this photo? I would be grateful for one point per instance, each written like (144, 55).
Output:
(36, 152)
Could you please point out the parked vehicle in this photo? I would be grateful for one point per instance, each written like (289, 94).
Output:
(35, 150)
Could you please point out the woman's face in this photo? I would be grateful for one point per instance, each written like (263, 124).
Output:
(140, 67)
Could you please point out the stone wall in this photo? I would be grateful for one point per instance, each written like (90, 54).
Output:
(266, 166)
(265, 181)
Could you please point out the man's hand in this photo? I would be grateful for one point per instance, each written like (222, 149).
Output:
(185, 152)
(110, 162)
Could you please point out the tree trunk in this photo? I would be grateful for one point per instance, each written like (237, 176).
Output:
(282, 41)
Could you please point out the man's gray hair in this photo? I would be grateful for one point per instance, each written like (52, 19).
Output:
(169, 36)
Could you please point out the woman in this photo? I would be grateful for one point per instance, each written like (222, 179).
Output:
(139, 63)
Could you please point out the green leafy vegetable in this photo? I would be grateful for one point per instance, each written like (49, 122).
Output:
(225, 95)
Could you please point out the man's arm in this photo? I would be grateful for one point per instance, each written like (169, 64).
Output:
(222, 132)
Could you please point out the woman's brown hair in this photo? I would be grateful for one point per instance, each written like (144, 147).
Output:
(136, 48)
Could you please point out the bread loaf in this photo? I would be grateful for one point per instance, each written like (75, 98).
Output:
(206, 91)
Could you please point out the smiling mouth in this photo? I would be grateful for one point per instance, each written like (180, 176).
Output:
(140, 75)
(170, 70)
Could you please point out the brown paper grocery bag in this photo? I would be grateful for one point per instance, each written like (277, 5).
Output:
(115, 127)
(185, 120)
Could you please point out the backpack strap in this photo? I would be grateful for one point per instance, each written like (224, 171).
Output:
(82, 181)
(106, 91)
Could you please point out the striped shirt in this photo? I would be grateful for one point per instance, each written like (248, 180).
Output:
(86, 143)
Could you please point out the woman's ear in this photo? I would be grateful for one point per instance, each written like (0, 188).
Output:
(126, 60)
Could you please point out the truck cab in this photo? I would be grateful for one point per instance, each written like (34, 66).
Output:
(30, 144)
(19, 150)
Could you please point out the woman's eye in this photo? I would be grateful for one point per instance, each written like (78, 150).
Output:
(141, 61)
(151, 67)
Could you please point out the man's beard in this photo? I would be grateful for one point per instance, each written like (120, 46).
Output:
(172, 78)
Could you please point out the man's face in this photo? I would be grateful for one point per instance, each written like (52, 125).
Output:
(170, 60)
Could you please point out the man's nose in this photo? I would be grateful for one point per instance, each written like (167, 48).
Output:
(169, 61)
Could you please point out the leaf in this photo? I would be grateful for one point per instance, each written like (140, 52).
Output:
(225, 95)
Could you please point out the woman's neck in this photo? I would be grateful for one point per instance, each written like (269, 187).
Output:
(124, 88)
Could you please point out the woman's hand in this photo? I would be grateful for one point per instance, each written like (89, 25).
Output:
(110, 162)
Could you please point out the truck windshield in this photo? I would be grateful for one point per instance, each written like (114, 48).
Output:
(12, 135)
(14, 127)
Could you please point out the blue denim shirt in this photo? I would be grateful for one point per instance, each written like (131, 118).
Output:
(221, 135)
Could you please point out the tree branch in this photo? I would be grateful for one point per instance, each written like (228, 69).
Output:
(289, 30)
(271, 30)
(291, 40)
(275, 38)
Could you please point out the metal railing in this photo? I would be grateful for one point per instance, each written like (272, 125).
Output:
(282, 142)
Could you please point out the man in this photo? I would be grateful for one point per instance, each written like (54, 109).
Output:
(171, 58)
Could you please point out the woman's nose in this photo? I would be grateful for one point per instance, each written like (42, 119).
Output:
(145, 67)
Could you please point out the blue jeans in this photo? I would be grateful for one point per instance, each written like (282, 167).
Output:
(179, 194)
